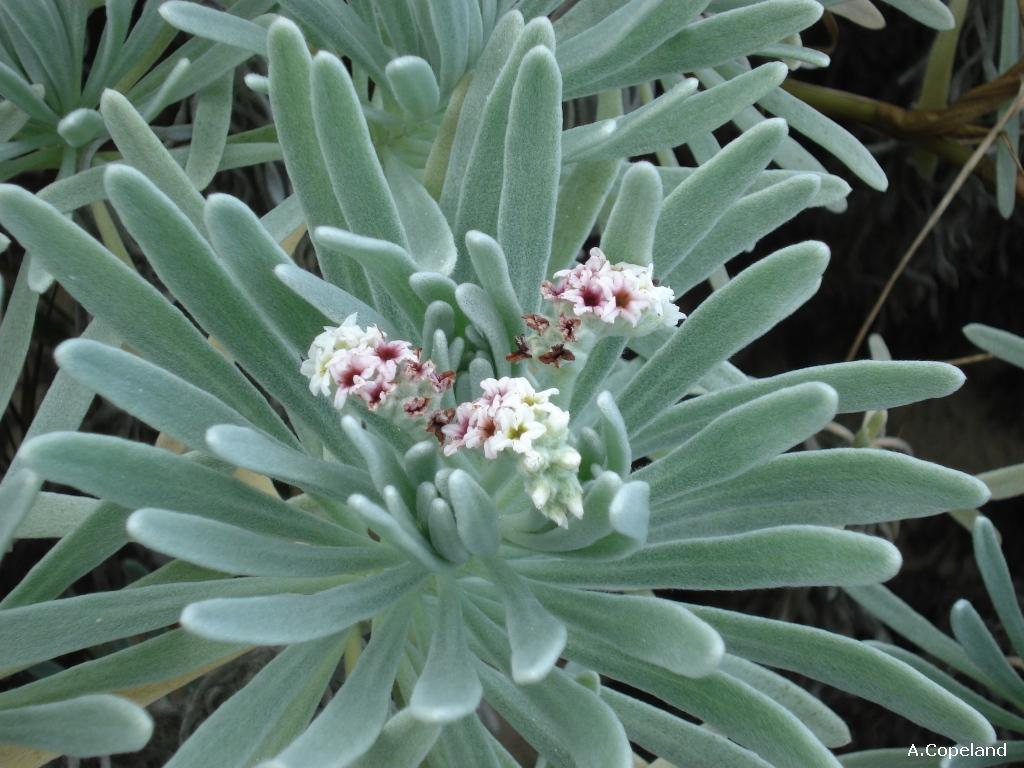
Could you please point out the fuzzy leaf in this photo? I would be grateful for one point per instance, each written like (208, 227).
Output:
(88, 726)
(448, 689)
(850, 666)
(740, 439)
(275, 705)
(754, 301)
(673, 637)
(1002, 344)
(230, 549)
(529, 190)
(998, 582)
(292, 618)
(777, 557)
(693, 208)
(413, 83)
(349, 724)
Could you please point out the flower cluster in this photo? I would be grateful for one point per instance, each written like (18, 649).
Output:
(512, 417)
(364, 363)
(623, 295)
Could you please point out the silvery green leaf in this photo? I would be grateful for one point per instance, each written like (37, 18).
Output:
(982, 649)
(210, 128)
(53, 515)
(674, 638)
(833, 188)
(250, 254)
(339, 28)
(995, 714)
(581, 195)
(83, 727)
(896, 614)
(388, 264)
(632, 31)
(431, 243)
(161, 399)
(272, 708)
(444, 533)
(843, 486)
(291, 100)
(677, 117)
(475, 302)
(403, 743)
(144, 151)
(414, 86)
(215, 25)
(187, 265)
(34, 633)
(629, 234)
(132, 474)
(468, 742)
(998, 582)
(480, 187)
(821, 130)
(109, 289)
(230, 549)
(448, 689)
(565, 721)
(1002, 344)
(381, 460)
(17, 495)
(740, 439)
(822, 721)
(732, 317)
(296, 618)
(486, 72)
(694, 207)
(618, 456)
(1005, 482)
(850, 666)
(14, 87)
(796, 555)
(80, 126)
(166, 656)
(352, 164)
(724, 703)
(931, 13)
(1006, 151)
(450, 25)
(398, 533)
(16, 326)
(355, 715)
(492, 270)
(598, 366)
(861, 385)
(535, 636)
(529, 189)
(475, 514)
(713, 40)
(98, 537)
(255, 451)
(332, 301)
(747, 221)
(675, 739)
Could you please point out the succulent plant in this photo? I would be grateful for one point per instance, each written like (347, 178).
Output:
(527, 448)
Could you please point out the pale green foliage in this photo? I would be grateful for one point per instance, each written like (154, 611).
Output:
(436, 207)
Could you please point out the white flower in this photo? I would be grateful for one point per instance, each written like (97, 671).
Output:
(623, 295)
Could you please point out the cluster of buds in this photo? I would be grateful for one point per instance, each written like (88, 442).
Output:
(352, 361)
(511, 417)
(623, 298)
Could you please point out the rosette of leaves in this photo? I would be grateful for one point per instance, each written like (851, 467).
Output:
(972, 653)
(464, 593)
